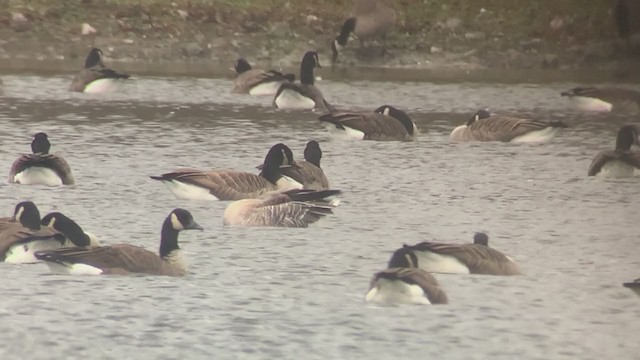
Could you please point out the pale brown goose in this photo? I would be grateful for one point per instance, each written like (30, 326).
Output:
(386, 123)
(463, 259)
(256, 81)
(370, 18)
(41, 167)
(96, 77)
(633, 285)
(293, 208)
(302, 95)
(194, 184)
(486, 127)
(123, 259)
(622, 161)
(604, 99)
(405, 283)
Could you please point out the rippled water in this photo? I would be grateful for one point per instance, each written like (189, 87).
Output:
(298, 293)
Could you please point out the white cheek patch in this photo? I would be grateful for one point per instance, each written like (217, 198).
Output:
(52, 222)
(386, 111)
(175, 222)
(19, 213)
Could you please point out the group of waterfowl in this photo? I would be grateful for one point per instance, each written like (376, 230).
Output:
(288, 192)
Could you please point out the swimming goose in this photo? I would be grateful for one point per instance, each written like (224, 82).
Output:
(123, 259)
(41, 167)
(308, 172)
(385, 123)
(19, 243)
(634, 285)
(463, 259)
(293, 208)
(193, 184)
(604, 99)
(404, 283)
(622, 161)
(257, 82)
(25, 213)
(96, 77)
(486, 127)
(371, 18)
(302, 95)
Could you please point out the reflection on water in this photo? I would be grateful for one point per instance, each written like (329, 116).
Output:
(298, 293)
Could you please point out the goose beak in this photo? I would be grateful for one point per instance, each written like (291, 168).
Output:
(193, 226)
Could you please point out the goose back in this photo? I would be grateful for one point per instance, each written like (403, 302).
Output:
(373, 126)
(55, 163)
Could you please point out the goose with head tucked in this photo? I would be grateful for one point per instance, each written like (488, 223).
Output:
(621, 161)
(371, 18)
(634, 286)
(403, 282)
(124, 259)
(386, 123)
(292, 208)
(604, 99)
(96, 77)
(191, 184)
(476, 258)
(302, 95)
(486, 127)
(19, 243)
(25, 213)
(256, 81)
(41, 167)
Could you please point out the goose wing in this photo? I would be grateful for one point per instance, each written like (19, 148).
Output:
(479, 259)
(243, 83)
(87, 76)
(415, 276)
(115, 259)
(280, 210)
(505, 128)
(54, 162)
(15, 233)
(309, 175)
(223, 184)
(375, 126)
(631, 158)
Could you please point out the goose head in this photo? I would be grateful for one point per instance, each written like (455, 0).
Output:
(627, 136)
(481, 238)
(178, 220)
(403, 258)
(397, 114)
(241, 66)
(278, 156)
(69, 228)
(181, 219)
(94, 58)
(310, 61)
(40, 143)
(27, 214)
(313, 153)
(481, 114)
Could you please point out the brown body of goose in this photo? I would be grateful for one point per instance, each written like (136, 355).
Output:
(474, 258)
(123, 259)
(41, 167)
(233, 185)
(293, 208)
(95, 70)
(403, 282)
(386, 123)
(604, 99)
(622, 161)
(371, 18)
(485, 127)
(256, 81)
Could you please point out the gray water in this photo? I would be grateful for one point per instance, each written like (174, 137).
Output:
(270, 293)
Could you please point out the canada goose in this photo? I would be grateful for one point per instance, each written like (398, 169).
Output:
(257, 82)
(293, 208)
(308, 172)
(25, 213)
(474, 258)
(96, 77)
(486, 127)
(634, 285)
(123, 259)
(19, 243)
(385, 123)
(302, 95)
(192, 184)
(404, 283)
(370, 18)
(604, 99)
(41, 167)
(622, 161)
